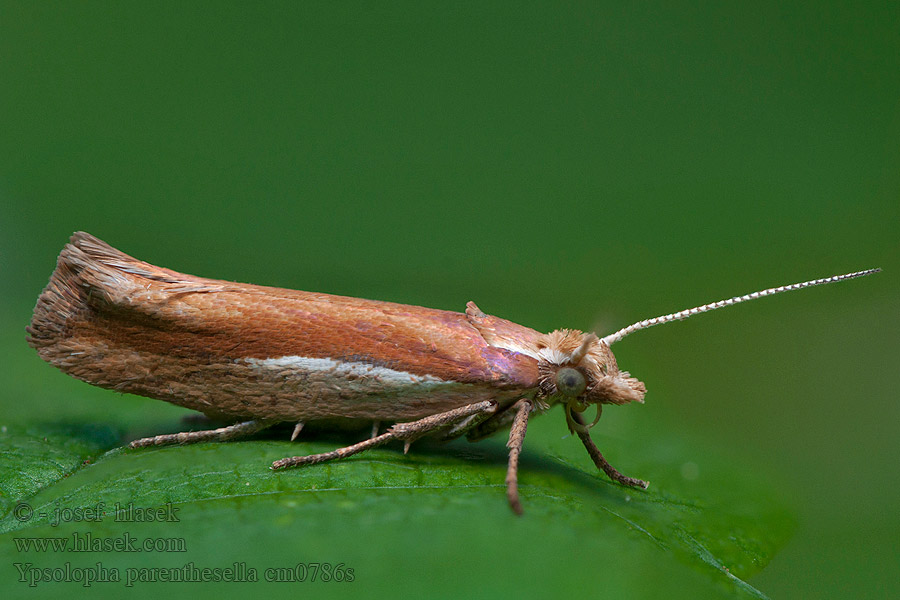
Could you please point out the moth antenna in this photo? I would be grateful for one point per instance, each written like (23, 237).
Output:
(684, 314)
(580, 352)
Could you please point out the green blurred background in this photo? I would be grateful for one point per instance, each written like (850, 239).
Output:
(581, 165)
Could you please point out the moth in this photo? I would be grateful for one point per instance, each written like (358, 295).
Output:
(256, 356)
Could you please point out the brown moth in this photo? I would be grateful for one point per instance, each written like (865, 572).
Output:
(255, 356)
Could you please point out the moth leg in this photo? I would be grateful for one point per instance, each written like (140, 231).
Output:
(407, 432)
(601, 463)
(491, 425)
(516, 439)
(222, 434)
(465, 426)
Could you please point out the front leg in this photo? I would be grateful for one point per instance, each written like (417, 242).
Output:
(601, 463)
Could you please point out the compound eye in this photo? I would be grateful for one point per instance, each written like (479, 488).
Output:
(570, 382)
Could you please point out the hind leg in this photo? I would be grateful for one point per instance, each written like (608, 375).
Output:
(223, 434)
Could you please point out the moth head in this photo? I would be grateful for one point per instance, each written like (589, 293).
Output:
(578, 369)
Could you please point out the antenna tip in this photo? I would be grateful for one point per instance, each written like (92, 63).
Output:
(864, 273)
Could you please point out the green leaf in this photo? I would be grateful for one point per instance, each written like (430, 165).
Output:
(702, 528)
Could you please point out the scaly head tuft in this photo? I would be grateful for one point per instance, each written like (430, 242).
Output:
(577, 369)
